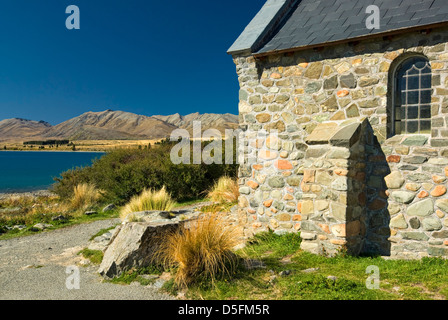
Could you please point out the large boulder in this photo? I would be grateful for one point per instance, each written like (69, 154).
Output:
(134, 245)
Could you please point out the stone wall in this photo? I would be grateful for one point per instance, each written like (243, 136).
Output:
(292, 93)
(417, 197)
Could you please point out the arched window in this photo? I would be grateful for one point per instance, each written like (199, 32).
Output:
(412, 97)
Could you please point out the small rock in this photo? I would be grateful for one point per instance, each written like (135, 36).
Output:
(59, 218)
(42, 226)
(333, 278)
(84, 263)
(310, 270)
(89, 213)
(414, 222)
(403, 196)
(109, 207)
(103, 238)
(394, 180)
(432, 224)
(285, 273)
(159, 283)
(19, 227)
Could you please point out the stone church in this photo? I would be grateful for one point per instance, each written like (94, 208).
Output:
(357, 96)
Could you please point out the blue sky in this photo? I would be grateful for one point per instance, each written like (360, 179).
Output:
(142, 56)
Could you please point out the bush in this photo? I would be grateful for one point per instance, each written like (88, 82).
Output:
(149, 200)
(225, 190)
(201, 251)
(124, 173)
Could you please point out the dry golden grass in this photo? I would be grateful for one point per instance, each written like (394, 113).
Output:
(203, 250)
(85, 195)
(148, 200)
(17, 201)
(24, 209)
(225, 190)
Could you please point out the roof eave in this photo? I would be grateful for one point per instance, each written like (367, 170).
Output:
(262, 25)
(354, 39)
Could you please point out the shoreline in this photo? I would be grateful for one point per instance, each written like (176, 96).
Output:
(80, 151)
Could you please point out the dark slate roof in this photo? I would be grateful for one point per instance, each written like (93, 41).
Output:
(317, 22)
(264, 22)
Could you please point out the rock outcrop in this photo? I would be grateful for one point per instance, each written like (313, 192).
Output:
(134, 245)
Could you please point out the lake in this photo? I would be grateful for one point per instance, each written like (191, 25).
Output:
(22, 171)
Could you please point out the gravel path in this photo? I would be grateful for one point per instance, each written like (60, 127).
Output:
(34, 268)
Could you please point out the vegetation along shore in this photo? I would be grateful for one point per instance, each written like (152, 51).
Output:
(99, 191)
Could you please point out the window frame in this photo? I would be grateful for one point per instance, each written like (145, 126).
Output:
(396, 92)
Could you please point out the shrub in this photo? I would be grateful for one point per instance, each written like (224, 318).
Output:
(149, 200)
(201, 251)
(124, 173)
(225, 190)
(84, 196)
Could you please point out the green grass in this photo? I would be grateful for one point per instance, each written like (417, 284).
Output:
(101, 232)
(399, 279)
(95, 256)
(130, 276)
(424, 279)
(189, 203)
(72, 220)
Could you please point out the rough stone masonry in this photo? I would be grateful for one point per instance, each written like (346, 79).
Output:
(333, 172)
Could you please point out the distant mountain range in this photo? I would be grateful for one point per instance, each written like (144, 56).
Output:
(112, 125)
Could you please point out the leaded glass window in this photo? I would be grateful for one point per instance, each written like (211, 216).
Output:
(412, 99)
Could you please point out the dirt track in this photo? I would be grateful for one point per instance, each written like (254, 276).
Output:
(34, 268)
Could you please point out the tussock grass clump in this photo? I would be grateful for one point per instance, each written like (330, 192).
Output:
(225, 190)
(85, 195)
(148, 200)
(201, 251)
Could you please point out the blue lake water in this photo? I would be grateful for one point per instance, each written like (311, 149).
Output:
(22, 171)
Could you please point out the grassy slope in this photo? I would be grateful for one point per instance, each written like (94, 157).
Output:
(425, 279)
